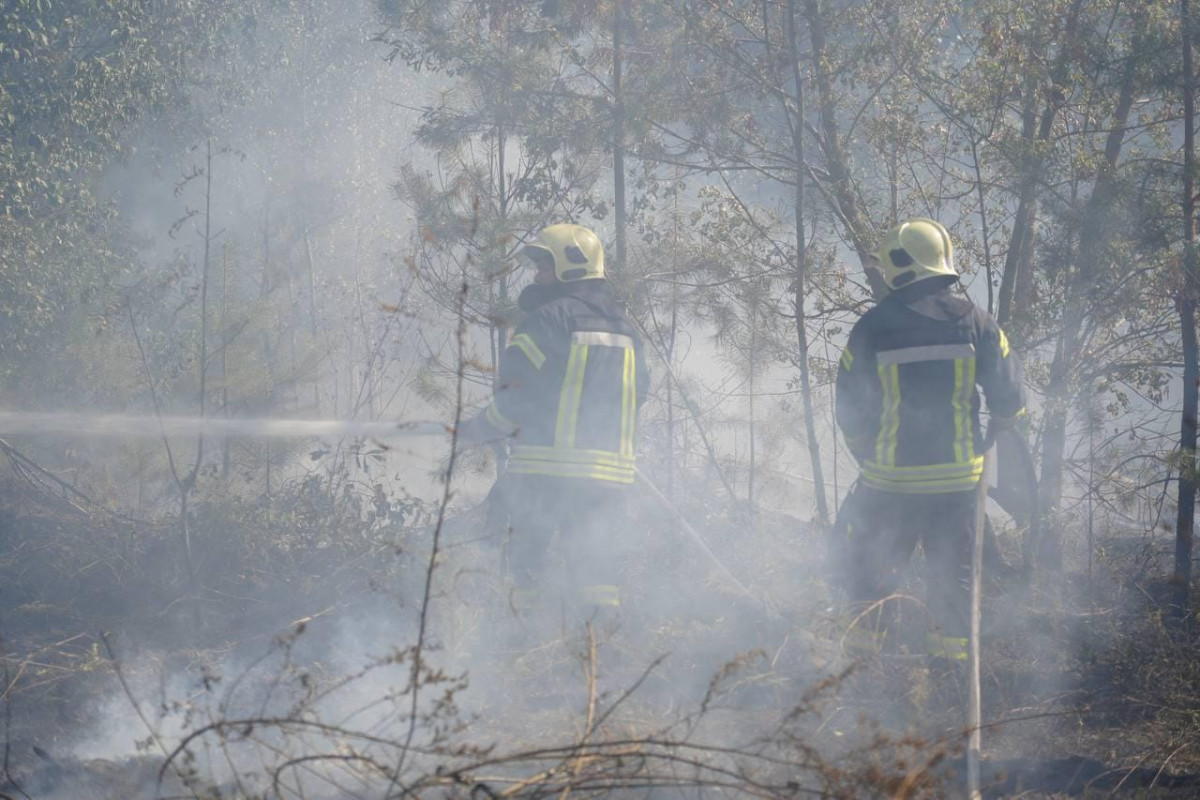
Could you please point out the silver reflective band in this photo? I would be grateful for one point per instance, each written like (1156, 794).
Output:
(936, 352)
(601, 339)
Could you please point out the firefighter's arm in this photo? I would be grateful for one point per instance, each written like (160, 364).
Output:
(857, 404)
(520, 363)
(999, 374)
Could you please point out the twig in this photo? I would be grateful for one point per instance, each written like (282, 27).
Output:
(590, 669)
(8, 734)
(1158, 774)
(633, 688)
(431, 565)
(1135, 768)
(277, 778)
(137, 707)
(25, 462)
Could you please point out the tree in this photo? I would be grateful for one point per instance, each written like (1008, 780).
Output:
(1187, 323)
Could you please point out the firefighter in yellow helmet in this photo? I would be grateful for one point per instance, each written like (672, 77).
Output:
(908, 406)
(571, 381)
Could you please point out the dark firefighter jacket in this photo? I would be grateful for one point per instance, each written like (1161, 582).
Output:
(571, 381)
(906, 397)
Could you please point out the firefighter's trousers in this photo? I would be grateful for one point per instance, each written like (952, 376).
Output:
(880, 531)
(582, 520)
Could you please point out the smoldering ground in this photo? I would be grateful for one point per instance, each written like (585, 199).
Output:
(300, 680)
(692, 656)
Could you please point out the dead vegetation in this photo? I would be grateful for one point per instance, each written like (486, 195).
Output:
(1093, 694)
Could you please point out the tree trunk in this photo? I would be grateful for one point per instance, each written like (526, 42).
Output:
(619, 138)
(836, 164)
(265, 346)
(753, 363)
(1016, 283)
(225, 453)
(810, 427)
(1078, 304)
(1185, 522)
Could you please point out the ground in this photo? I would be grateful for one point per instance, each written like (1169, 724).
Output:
(110, 658)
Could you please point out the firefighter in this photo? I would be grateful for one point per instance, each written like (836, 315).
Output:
(909, 410)
(571, 381)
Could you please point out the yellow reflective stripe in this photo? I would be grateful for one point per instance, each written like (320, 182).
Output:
(570, 396)
(1004, 349)
(524, 342)
(964, 424)
(596, 473)
(628, 402)
(929, 479)
(968, 392)
(497, 420)
(595, 464)
(847, 359)
(972, 467)
(577, 400)
(600, 595)
(911, 485)
(941, 486)
(951, 647)
(894, 438)
(534, 452)
(956, 403)
(889, 427)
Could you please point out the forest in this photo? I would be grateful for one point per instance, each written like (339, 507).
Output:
(261, 266)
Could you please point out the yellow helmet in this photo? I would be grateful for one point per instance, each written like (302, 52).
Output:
(577, 252)
(915, 250)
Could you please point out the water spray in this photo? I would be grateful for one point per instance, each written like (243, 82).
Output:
(19, 423)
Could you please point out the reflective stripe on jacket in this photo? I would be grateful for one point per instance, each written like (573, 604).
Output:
(571, 381)
(907, 401)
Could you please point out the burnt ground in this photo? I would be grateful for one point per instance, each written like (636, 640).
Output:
(1088, 689)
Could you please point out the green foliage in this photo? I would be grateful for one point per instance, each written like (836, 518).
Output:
(75, 79)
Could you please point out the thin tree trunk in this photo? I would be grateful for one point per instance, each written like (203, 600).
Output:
(836, 163)
(268, 351)
(499, 332)
(312, 311)
(1019, 258)
(619, 138)
(669, 347)
(1016, 282)
(1078, 304)
(753, 364)
(225, 455)
(810, 427)
(1185, 522)
(983, 222)
(186, 485)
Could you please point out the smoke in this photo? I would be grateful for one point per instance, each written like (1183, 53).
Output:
(269, 602)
